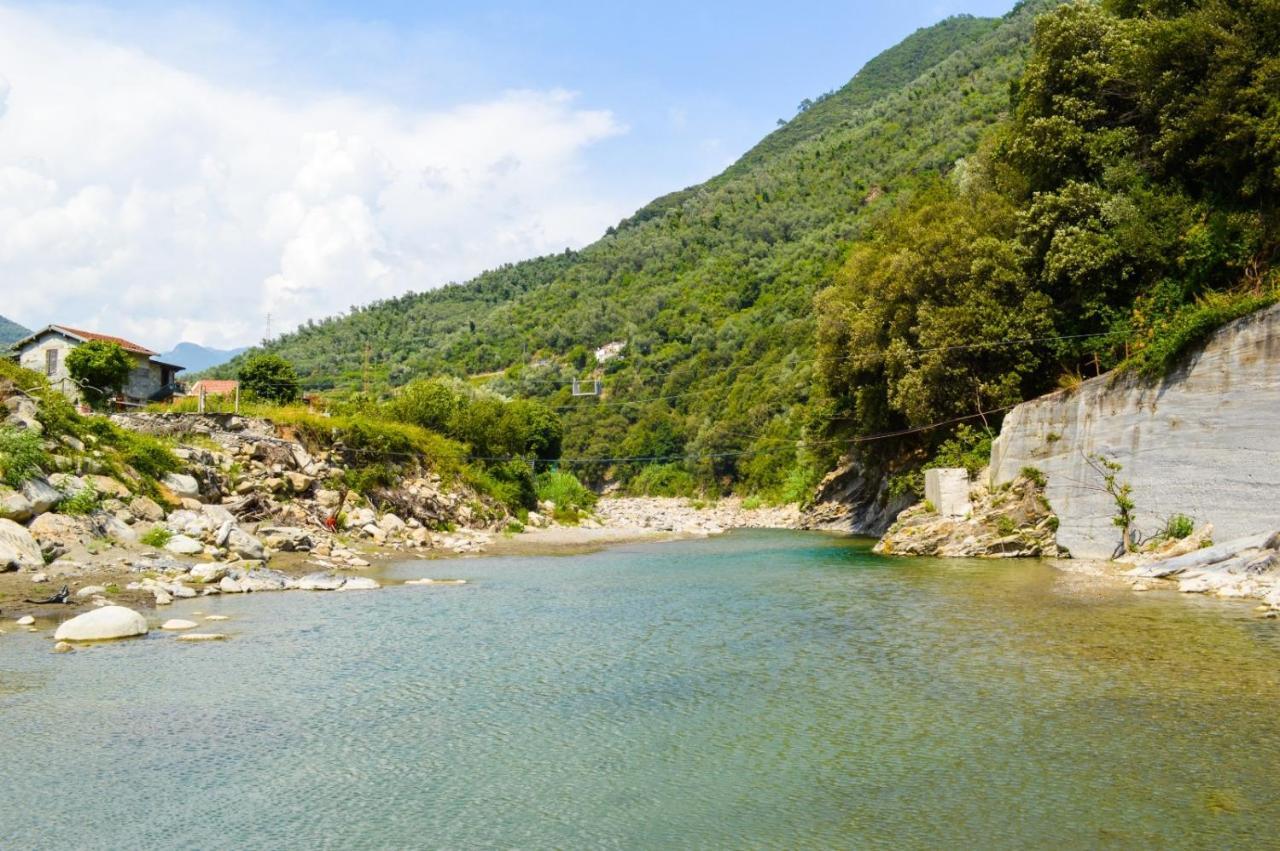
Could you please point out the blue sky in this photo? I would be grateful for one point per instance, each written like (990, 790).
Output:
(398, 146)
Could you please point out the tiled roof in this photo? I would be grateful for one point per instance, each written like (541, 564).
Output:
(91, 335)
(214, 387)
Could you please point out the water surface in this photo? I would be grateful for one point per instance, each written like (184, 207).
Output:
(762, 689)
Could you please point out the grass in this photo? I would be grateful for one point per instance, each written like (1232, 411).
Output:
(22, 456)
(85, 501)
(156, 536)
(1166, 342)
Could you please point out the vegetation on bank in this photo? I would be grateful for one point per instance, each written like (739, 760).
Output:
(987, 210)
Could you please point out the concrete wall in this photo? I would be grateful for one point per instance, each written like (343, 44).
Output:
(948, 489)
(1204, 442)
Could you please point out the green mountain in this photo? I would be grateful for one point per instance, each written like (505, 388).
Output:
(10, 332)
(711, 288)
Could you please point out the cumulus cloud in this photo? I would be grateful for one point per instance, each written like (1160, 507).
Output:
(147, 201)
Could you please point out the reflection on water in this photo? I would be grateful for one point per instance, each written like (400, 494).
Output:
(760, 689)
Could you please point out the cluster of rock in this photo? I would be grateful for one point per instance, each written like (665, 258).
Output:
(1012, 521)
(854, 498)
(681, 516)
(1244, 568)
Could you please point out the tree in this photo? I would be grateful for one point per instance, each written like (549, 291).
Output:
(270, 377)
(101, 368)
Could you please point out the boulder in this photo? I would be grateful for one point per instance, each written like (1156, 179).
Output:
(146, 508)
(298, 482)
(359, 583)
(182, 485)
(178, 624)
(201, 636)
(320, 582)
(107, 485)
(18, 548)
(91, 591)
(42, 495)
(391, 524)
(183, 545)
(359, 517)
(206, 573)
(227, 585)
(264, 580)
(287, 539)
(25, 620)
(15, 506)
(59, 530)
(103, 624)
(188, 522)
(245, 545)
(109, 526)
(217, 515)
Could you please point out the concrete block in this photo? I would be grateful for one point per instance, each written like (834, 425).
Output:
(948, 489)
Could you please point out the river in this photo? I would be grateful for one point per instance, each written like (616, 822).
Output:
(759, 689)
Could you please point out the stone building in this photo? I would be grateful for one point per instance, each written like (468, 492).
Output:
(45, 351)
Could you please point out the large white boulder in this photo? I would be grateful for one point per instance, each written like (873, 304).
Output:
(182, 485)
(359, 583)
(245, 545)
(320, 582)
(183, 545)
(42, 495)
(18, 548)
(102, 625)
(205, 573)
(15, 506)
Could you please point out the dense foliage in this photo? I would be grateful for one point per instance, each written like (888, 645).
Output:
(101, 368)
(1126, 209)
(270, 378)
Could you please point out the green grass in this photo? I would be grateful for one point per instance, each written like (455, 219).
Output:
(22, 456)
(1168, 341)
(156, 536)
(84, 501)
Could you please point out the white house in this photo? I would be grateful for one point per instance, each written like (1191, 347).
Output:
(46, 350)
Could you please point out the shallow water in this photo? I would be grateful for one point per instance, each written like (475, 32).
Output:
(762, 689)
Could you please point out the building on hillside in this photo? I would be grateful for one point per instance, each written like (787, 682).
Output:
(227, 387)
(45, 351)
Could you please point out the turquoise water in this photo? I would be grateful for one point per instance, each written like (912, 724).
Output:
(762, 689)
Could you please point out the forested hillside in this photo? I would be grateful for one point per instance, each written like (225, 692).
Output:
(10, 332)
(987, 211)
(711, 288)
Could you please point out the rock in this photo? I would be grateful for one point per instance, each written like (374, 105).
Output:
(163, 598)
(182, 485)
(217, 617)
(183, 545)
(39, 577)
(356, 561)
(202, 636)
(359, 583)
(320, 582)
(206, 573)
(15, 506)
(103, 624)
(298, 482)
(178, 624)
(62, 647)
(264, 580)
(391, 524)
(25, 620)
(146, 508)
(188, 522)
(425, 581)
(227, 585)
(18, 548)
(191, 504)
(108, 486)
(245, 545)
(59, 531)
(182, 591)
(223, 534)
(42, 495)
(947, 488)
(218, 515)
(359, 517)
(90, 591)
(289, 539)
(109, 526)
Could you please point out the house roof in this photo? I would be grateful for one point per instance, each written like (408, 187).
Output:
(214, 386)
(85, 336)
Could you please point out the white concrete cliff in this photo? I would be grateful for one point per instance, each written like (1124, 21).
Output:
(1204, 442)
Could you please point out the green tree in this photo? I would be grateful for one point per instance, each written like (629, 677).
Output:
(270, 377)
(101, 367)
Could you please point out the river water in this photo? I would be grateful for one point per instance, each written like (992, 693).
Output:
(761, 689)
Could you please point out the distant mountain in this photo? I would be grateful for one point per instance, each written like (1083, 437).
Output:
(197, 358)
(10, 332)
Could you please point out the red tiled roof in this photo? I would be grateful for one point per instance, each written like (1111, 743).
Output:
(214, 387)
(91, 335)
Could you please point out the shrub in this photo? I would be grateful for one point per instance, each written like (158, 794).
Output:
(270, 378)
(156, 536)
(22, 455)
(1178, 527)
(1167, 340)
(101, 367)
(85, 501)
(564, 489)
(752, 502)
(1034, 476)
(663, 480)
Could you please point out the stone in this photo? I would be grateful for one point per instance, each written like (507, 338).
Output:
(63, 647)
(90, 591)
(359, 517)
(42, 495)
(146, 508)
(217, 514)
(182, 485)
(191, 504)
(163, 597)
(289, 539)
(19, 549)
(227, 585)
(948, 489)
(223, 534)
(60, 530)
(109, 526)
(206, 573)
(217, 617)
(39, 578)
(425, 581)
(183, 545)
(202, 636)
(109, 622)
(245, 545)
(391, 524)
(298, 482)
(182, 592)
(264, 580)
(15, 506)
(178, 624)
(359, 583)
(25, 620)
(320, 582)
(107, 486)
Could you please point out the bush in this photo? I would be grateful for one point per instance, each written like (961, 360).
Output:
(564, 489)
(101, 367)
(1189, 325)
(1178, 527)
(85, 501)
(270, 378)
(663, 480)
(156, 536)
(21, 455)
(1034, 476)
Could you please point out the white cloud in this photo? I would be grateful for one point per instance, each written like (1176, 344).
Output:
(150, 202)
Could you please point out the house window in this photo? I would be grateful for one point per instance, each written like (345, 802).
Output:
(50, 361)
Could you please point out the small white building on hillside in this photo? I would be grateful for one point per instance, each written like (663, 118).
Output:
(46, 350)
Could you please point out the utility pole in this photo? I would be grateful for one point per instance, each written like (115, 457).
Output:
(267, 335)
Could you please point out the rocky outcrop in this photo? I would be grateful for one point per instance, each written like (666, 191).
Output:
(1246, 567)
(1202, 442)
(1012, 521)
(18, 549)
(854, 498)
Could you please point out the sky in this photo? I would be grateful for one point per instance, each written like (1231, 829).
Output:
(211, 173)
